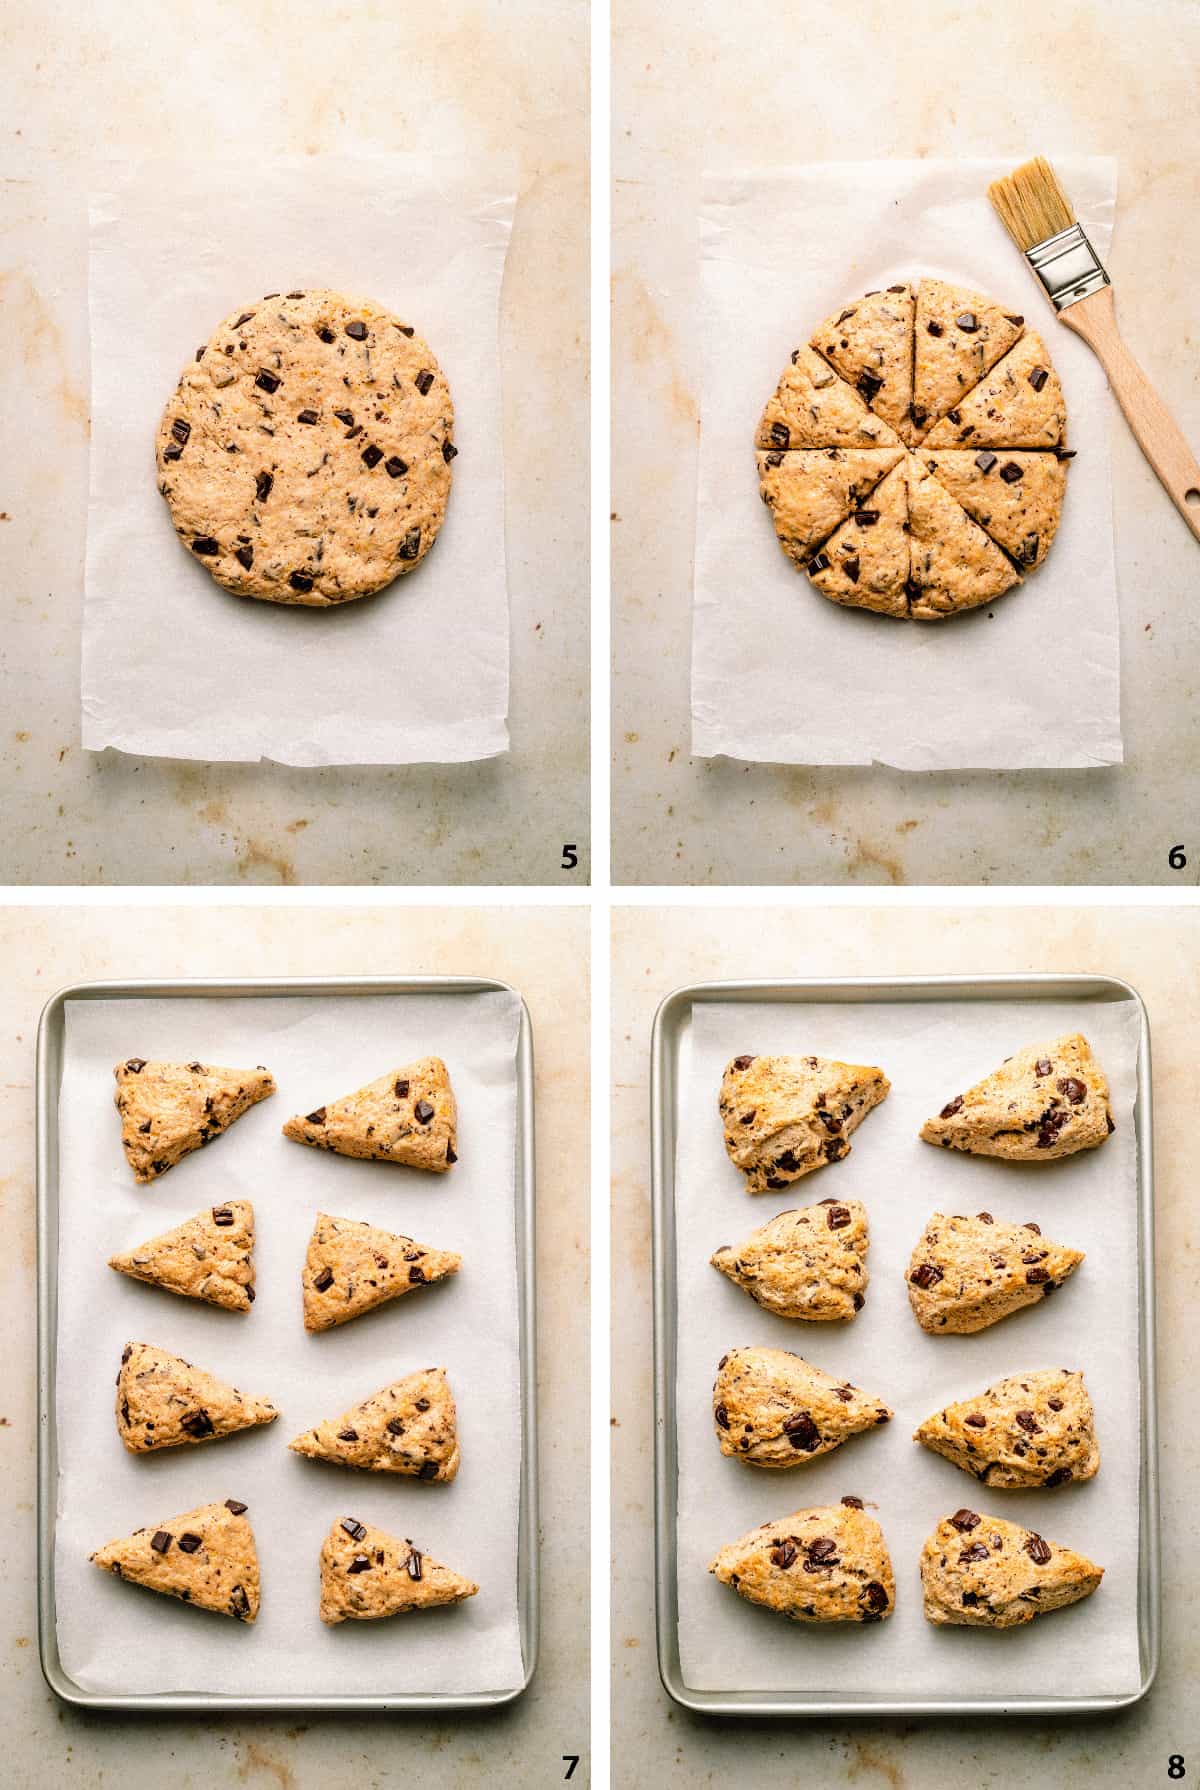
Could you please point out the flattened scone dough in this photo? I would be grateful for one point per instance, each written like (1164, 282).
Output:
(773, 1409)
(786, 1116)
(1046, 1101)
(352, 1267)
(980, 1572)
(967, 1273)
(165, 1402)
(169, 1109)
(810, 1263)
(1035, 1429)
(205, 1557)
(305, 455)
(367, 1573)
(409, 1427)
(829, 1564)
(408, 1116)
(209, 1257)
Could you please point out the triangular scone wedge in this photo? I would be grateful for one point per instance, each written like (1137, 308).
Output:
(1019, 405)
(967, 1273)
(981, 1572)
(1047, 1101)
(208, 1257)
(409, 1427)
(169, 1109)
(205, 1557)
(366, 1573)
(351, 1267)
(959, 336)
(1017, 497)
(773, 1409)
(825, 1565)
(165, 1402)
(810, 1263)
(865, 564)
(814, 408)
(1035, 1429)
(870, 343)
(786, 1116)
(809, 492)
(954, 565)
(407, 1115)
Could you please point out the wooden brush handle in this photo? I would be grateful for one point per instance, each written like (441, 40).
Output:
(1095, 319)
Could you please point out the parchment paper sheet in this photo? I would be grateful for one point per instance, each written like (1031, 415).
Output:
(778, 672)
(173, 665)
(116, 1637)
(930, 1052)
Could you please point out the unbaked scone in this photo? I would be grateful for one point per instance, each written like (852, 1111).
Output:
(409, 1427)
(865, 563)
(814, 408)
(953, 564)
(870, 343)
(810, 491)
(810, 1263)
(959, 336)
(829, 1564)
(1014, 495)
(981, 1572)
(1019, 405)
(407, 1116)
(208, 1257)
(1047, 1101)
(1035, 1429)
(967, 1273)
(773, 1409)
(165, 1402)
(366, 1573)
(786, 1116)
(170, 1109)
(351, 1267)
(205, 1557)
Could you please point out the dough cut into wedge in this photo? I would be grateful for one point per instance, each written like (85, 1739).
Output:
(811, 491)
(169, 1109)
(870, 343)
(407, 1116)
(352, 1267)
(980, 1572)
(1016, 497)
(773, 1409)
(1046, 1101)
(813, 408)
(165, 1402)
(1019, 405)
(1035, 1429)
(810, 1263)
(828, 1564)
(409, 1427)
(954, 565)
(968, 1273)
(786, 1116)
(865, 563)
(367, 1573)
(959, 336)
(206, 1557)
(208, 1257)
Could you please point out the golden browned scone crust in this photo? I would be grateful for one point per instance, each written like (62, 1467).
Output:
(1047, 1101)
(813, 408)
(165, 1402)
(1035, 1429)
(953, 565)
(959, 336)
(786, 1116)
(407, 1115)
(409, 1427)
(1015, 496)
(870, 343)
(205, 1557)
(207, 1257)
(810, 1263)
(810, 491)
(169, 1109)
(351, 1267)
(967, 1273)
(981, 1572)
(366, 1573)
(773, 1409)
(829, 1564)
(1019, 405)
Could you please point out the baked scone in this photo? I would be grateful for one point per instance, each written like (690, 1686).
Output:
(810, 491)
(165, 1402)
(1015, 496)
(870, 343)
(1048, 1100)
(829, 1564)
(810, 1263)
(407, 1115)
(1034, 1429)
(205, 1557)
(786, 1116)
(409, 1427)
(813, 408)
(1019, 405)
(865, 563)
(981, 1572)
(170, 1109)
(959, 336)
(351, 1267)
(208, 1257)
(953, 564)
(366, 1573)
(773, 1409)
(967, 1273)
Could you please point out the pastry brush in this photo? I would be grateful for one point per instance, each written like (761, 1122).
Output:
(1037, 215)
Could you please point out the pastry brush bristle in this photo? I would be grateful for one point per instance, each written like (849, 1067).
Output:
(1031, 204)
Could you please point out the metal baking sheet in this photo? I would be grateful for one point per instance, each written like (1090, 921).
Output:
(51, 1031)
(670, 1028)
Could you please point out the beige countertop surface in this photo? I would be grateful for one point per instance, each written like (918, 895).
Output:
(256, 78)
(654, 951)
(544, 954)
(708, 86)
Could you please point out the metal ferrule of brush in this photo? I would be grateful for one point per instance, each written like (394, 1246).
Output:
(1068, 266)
